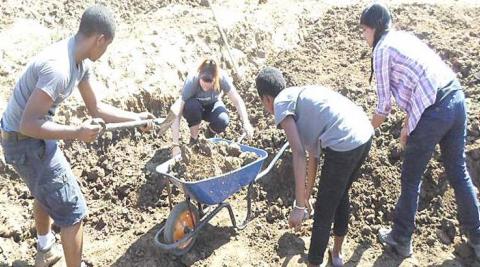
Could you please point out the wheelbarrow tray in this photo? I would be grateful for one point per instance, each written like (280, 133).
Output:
(214, 190)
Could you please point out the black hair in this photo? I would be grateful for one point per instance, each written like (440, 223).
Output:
(378, 17)
(270, 82)
(97, 19)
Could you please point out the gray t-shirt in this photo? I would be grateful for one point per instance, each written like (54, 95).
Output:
(192, 89)
(324, 118)
(53, 71)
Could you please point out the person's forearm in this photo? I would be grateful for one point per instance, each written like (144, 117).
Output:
(176, 130)
(43, 129)
(311, 173)
(112, 114)
(377, 120)
(299, 166)
(405, 121)
(242, 111)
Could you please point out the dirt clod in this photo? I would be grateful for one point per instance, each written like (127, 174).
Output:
(206, 159)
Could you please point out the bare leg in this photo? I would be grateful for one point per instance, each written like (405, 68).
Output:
(194, 131)
(337, 245)
(72, 242)
(43, 222)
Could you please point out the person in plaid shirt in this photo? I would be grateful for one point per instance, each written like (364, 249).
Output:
(427, 90)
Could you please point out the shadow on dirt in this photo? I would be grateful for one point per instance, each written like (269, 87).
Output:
(143, 251)
(289, 246)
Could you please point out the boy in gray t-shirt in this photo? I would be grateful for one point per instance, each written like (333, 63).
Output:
(317, 119)
(28, 133)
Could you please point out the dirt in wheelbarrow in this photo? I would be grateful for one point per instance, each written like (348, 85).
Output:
(156, 44)
(206, 159)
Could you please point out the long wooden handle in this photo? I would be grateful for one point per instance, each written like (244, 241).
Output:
(161, 123)
(131, 124)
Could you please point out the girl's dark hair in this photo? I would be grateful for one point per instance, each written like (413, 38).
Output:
(378, 17)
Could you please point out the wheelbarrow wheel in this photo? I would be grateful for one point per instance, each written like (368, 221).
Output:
(180, 222)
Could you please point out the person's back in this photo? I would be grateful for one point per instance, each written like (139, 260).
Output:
(434, 102)
(324, 118)
(314, 117)
(412, 54)
(54, 71)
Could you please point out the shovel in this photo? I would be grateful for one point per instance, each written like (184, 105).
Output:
(161, 123)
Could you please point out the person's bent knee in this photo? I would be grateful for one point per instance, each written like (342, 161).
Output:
(192, 112)
(220, 123)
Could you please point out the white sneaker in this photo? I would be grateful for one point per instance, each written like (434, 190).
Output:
(386, 238)
(337, 261)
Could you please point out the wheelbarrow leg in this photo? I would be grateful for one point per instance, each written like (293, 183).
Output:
(169, 192)
(249, 210)
(190, 210)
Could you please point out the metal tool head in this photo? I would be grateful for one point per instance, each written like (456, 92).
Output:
(99, 121)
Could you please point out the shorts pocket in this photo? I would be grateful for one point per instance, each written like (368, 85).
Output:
(15, 159)
(60, 195)
(20, 163)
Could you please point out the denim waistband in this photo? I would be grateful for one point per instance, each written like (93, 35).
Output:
(447, 90)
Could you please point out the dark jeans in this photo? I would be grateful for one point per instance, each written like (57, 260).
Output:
(443, 123)
(339, 170)
(216, 114)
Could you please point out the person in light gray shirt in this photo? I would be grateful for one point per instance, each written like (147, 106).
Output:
(317, 119)
(29, 135)
(201, 99)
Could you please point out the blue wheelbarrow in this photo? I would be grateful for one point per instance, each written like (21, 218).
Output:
(185, 220)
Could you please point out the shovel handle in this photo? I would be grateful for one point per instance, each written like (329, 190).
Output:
(241, 138)
(162, 123)
(131, 124)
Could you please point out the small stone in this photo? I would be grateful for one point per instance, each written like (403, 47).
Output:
(448, 227)
(443, 237)
(370, 218)
(273, 213)
(431, 241)
(5, 232)
(366, 230)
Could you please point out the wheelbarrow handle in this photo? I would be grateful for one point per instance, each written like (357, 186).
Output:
(274, 160)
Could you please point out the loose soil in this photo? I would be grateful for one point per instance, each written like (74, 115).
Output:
(206, 159)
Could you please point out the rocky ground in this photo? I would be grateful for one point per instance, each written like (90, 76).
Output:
(312, 42)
